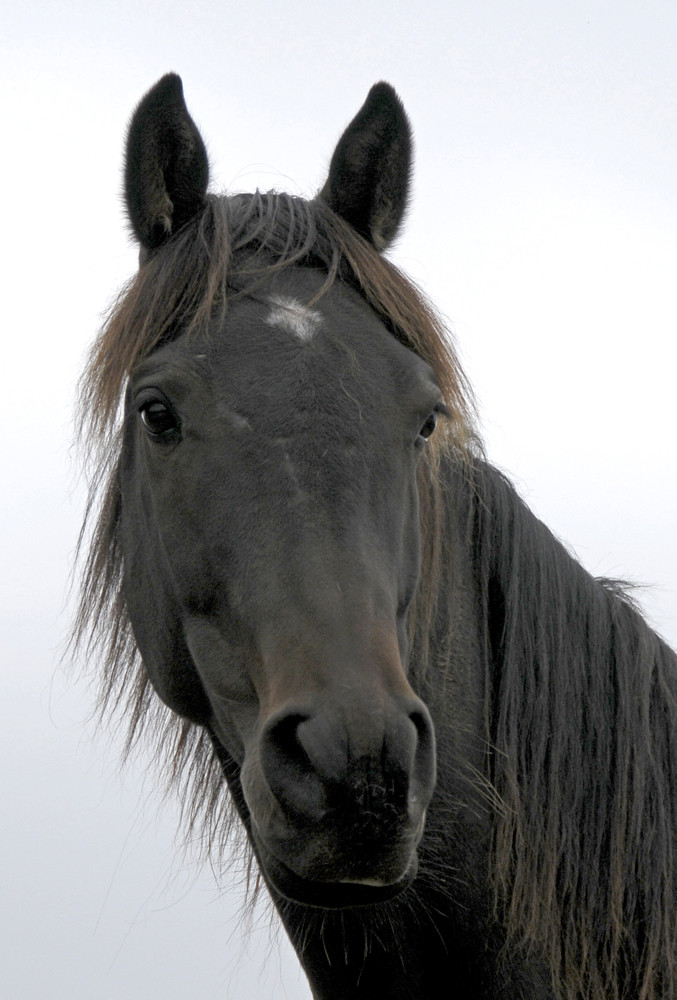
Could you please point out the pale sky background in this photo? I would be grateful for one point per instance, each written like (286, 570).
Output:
(543, 224)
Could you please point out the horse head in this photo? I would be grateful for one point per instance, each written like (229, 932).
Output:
(269, 516)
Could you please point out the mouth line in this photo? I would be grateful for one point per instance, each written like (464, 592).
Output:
(343, 893)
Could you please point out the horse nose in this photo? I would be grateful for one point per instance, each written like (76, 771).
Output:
(352, 760)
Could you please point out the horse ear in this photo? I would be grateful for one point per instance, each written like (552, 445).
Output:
(368, 181)
(166, 166)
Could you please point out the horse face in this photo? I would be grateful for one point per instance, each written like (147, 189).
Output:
(271, 547)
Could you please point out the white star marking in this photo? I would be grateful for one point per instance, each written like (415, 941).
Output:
(293, 316)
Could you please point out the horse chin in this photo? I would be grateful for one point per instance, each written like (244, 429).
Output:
(340, 894)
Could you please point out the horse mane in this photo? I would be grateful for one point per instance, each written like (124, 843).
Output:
(578, 686)
(583, 719)
(235, 244)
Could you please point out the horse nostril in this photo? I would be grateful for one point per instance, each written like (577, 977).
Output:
(423, 774)
(282, 735)
(286, 766)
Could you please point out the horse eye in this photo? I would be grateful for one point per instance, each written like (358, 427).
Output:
(158, 419)
(428, 427)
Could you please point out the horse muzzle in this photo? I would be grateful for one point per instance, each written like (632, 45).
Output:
(337, 797)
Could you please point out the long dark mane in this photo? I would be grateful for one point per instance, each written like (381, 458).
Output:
(583, 721)
(581, 695)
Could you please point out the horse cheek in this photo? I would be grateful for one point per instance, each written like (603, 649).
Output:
(153, 612)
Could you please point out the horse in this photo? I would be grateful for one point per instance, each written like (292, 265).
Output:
(453, 752)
